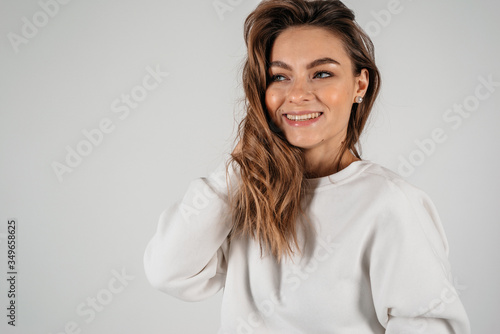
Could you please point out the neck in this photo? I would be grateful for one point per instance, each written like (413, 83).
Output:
(319, 165)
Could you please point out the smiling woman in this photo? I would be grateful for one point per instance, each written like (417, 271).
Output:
(301, 233)
(311, 93)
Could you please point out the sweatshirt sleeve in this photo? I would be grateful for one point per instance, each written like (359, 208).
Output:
(410, 273)
(186, 258)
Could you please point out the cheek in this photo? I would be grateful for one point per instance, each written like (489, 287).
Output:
(272, 102)
(336, 96)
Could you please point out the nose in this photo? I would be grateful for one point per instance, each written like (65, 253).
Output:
(300, 91)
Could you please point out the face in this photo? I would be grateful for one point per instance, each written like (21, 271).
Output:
(312, 88)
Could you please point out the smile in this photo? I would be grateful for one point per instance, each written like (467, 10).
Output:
(305, 117)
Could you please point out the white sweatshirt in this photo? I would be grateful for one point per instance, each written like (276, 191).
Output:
(376, 260)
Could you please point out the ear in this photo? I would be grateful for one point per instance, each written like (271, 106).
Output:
(362, 82)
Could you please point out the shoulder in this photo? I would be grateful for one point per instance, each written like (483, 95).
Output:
(390, 183)
(389, 186)
(364, 180)
(408, 206)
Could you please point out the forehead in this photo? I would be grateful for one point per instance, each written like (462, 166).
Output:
(303, 44)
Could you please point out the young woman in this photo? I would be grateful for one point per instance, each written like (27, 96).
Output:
(303, 235)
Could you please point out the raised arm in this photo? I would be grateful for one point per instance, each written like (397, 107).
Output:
(186, 258)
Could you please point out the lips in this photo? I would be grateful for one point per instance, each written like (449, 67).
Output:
(303, 117)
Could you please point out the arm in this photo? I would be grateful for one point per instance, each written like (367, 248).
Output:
(410, 273)
(186, 258)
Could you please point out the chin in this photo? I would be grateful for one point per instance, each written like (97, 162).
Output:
(303, 139)
(303, 144)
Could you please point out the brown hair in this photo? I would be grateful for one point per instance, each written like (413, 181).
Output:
(267, 203)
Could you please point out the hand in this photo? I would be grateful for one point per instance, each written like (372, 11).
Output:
(238, 148)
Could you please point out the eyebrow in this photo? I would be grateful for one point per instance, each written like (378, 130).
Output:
(314, 63)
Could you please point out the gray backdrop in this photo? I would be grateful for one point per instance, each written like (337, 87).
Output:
(109, 109)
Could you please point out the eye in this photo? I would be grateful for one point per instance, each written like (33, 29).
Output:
(322, 74)
(277, 77)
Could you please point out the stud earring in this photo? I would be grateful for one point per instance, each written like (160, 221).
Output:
(359, 99)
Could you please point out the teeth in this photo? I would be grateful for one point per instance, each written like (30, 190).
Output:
(305, 117)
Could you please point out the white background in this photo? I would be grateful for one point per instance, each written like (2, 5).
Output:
(74, 235)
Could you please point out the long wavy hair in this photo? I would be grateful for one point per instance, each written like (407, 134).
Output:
(267, 204)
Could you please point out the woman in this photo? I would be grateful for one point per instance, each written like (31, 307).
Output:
(303, 235)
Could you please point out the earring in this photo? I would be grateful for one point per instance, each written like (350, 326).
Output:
(359, 99)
